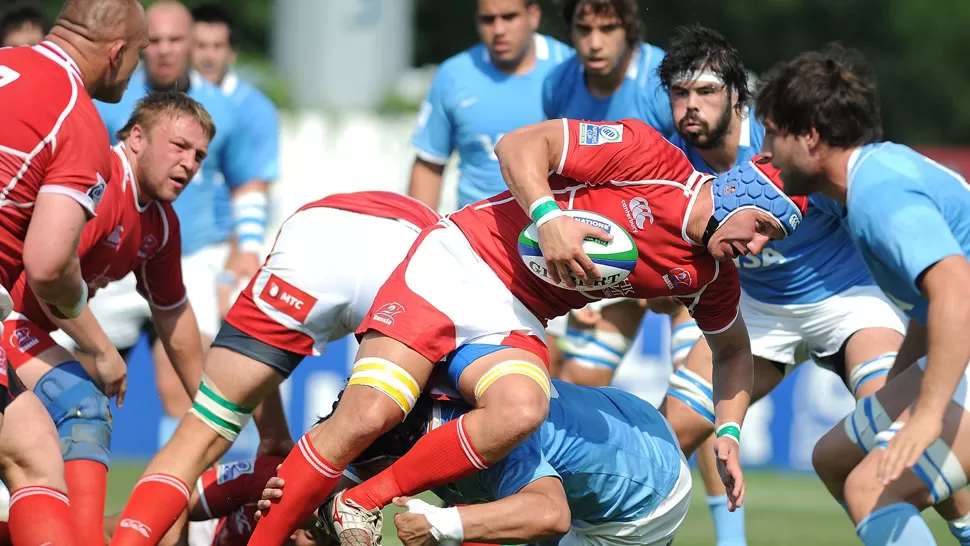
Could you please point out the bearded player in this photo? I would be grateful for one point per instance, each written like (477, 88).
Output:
(53, 160)
(428, 308)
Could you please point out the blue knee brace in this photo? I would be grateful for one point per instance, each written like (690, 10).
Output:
(80, 411)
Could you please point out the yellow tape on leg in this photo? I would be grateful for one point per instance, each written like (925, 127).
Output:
(510, 367)
(388, 378)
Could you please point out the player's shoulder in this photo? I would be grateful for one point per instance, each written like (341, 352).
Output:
(650, 58)
(565, 74)
(882, 169)
(211, 97)
(550, 50)
(246, 95)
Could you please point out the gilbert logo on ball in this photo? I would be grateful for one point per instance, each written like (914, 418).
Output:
(615, 259)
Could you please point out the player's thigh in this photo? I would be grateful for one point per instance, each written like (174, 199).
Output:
(30, 451)
(835, 455)
(592, 353)
(869, 355)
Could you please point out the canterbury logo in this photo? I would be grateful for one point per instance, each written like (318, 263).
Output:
(136, 526)
(641, 211)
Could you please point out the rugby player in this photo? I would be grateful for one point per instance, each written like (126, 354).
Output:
(479, 95)
(208, 238)
(51, 191)
(463, 283)
(22, 23)
(136, 230)
(908, 216)
(301, 299)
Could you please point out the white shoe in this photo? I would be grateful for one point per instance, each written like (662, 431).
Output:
(352, 524)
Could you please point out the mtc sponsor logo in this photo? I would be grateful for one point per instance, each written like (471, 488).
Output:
(288, 299)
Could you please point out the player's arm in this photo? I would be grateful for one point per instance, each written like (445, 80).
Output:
(51, 265)
(274, 432)
(425, 182)
(538, 512)
(178, 332)
(733, 372)
(433, 141)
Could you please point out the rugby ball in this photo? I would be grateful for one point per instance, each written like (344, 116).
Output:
(615, 259)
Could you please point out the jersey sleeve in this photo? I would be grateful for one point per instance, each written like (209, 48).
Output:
(262, 136)
(524, 465)
(239, 162)
(433, 138)
(159, 279)
(824, 204)
(81, 161)
(904, 228)
(715, 308)
(598, 152)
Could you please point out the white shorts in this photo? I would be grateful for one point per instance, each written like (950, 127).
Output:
(657, 529)
(317, 287)
(121, 311)
(444, 296)
(200, 273)
(791, 334)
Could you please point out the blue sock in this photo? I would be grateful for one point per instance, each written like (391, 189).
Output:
(895, 525)
(960, 528)
(728, 526)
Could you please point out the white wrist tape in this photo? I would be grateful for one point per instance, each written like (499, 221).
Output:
(445, 522)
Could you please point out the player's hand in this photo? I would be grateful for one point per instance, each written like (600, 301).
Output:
(561, 243)
(728, 455)
(273, 492)
(908, 444)
(412, 526)
(112, 373)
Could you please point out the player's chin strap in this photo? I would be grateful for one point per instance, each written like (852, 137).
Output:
(712, 226)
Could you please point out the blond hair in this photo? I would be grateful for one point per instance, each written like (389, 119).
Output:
(159, 104)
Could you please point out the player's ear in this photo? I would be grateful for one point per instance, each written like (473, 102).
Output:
(534, 13)
(137, 138)
(812, 139)
(116, 51)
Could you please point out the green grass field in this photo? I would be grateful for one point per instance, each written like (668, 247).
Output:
(782, 510)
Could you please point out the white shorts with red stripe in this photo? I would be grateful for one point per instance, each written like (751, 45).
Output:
(444, 296)
(320, 279)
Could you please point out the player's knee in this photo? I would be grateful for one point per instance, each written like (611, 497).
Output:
(867, 372)
(223, 416)
(682, 339)
(694, 391)
(515, 392)
(29, 452)
(80, 412)
(860, 487)
(387, 380)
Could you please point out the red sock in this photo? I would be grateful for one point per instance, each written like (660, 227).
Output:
(154, 505)
(442, 456)
(87, 485)
(225, 488)
(41, 515)
(309, 481)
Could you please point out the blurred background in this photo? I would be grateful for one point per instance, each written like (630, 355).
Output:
(348, 77)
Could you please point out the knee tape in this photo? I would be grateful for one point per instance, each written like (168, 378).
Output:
(388, 378)
(937, 467)
(594, 349)
(693, 390)
(513, 367)
(877, 367)
(79, 410)
(225, 417)
(862, 425)
(682, 338)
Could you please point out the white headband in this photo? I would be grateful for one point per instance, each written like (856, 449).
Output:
(702, 76)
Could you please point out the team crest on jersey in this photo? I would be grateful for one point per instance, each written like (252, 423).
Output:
(231, 471)
(148, 246)
(96, 192)
(678, 276)
(387, 311)
(595, 135)
(287, 299)
(23, 339)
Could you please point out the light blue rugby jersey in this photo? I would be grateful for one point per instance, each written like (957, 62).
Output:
(614, 453)
(905, 212)
(471, 105)
(641, 96)
(260, 123)
(229, 163)
(816, 262)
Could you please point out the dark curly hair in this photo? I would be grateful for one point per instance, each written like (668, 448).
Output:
(830, 90)
(626, 11)
(694, 48)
